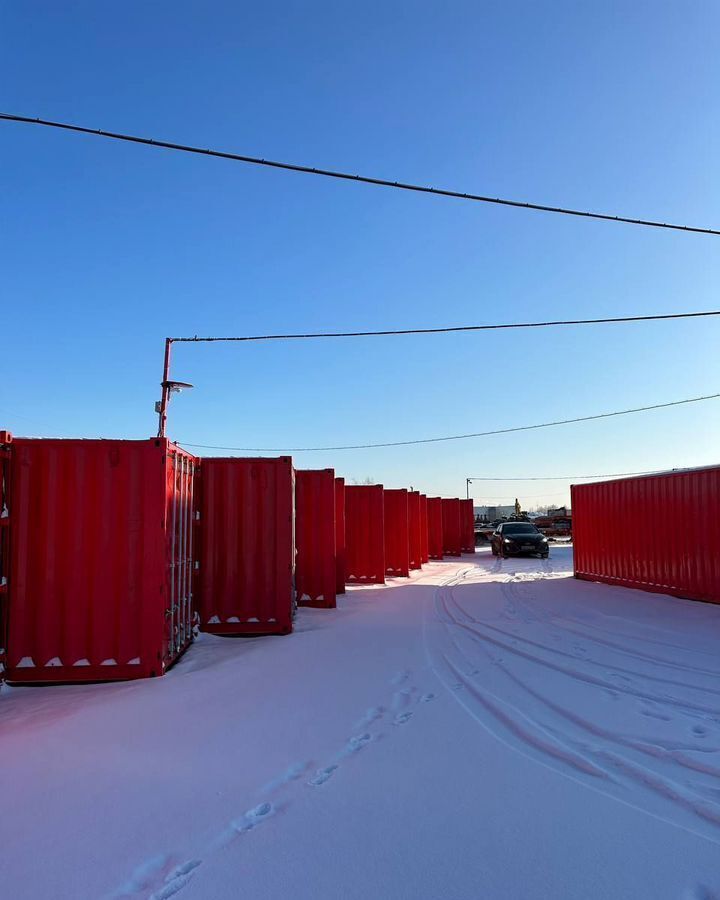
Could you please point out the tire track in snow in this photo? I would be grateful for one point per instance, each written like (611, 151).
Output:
(553, 619)
(651, 770)
(575, 674)
(642, 639)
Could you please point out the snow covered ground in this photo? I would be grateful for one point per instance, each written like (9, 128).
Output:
(489, 729)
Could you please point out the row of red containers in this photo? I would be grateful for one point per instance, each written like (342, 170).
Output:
(112, 551)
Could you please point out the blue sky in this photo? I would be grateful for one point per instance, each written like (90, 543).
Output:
(107, 247)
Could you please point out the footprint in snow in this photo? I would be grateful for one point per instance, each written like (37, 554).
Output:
(176, 880)
(323, 775)
(253, 817)
(143, 876)
(170, 889)
(355, 744)
(183, 869)
(400, 677)
(426, 698)
(402, 718)
(699, 731)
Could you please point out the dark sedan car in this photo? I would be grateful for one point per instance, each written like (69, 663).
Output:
(516, 538)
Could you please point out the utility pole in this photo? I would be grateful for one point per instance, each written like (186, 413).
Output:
(168, 387)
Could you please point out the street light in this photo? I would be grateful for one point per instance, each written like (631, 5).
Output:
(169, 387)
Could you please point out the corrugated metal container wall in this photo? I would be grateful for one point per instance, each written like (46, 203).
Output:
(315, 567)
(424, 547)
(415, 540)
(397, 533)
(364, 534)
(246, 546)
(435, 528)
(5, 438)
(452, 534)
(100, 576)
(620, 533)
(340, 554)
(467, 524)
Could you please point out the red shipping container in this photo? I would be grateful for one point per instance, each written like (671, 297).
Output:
(246, 546)
(315, 567)
(467, 525)
(424, 546)
(397, 532)
(435, 527)
(620, 532)
(101, 557)
(452, 533)
(5, 438)
(415, 539)
(340, 554)
(364, 534)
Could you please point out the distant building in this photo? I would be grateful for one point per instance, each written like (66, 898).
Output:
(558, 511)
(490, 513)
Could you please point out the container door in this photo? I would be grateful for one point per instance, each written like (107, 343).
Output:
(4, 541)
(179, 612)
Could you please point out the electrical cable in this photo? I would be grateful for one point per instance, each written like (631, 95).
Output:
(444, 329)
(455, 437)
(563, 477)
(346, 176)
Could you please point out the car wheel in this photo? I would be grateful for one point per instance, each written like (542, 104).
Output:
(494, 550)
(544, 555)
(505, 554)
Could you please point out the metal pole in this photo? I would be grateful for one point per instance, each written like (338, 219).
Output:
(165, 398)
(467, 488)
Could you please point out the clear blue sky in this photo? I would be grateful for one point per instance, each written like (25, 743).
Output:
(107, 248)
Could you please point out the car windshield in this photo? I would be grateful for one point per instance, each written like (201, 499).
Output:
(519, 529)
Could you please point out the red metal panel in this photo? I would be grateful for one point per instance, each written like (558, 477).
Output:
(315, 567)
(452, 533)
(246, 546)
(435, 527)
(415, 530)
(365, 534)
(340, 553)
(5, 439)
(100, 574)
(397, 532)
(467, 525)
(620, 533)
(424, 546)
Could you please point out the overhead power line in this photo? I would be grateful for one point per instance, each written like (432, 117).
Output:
(560, 477)
(524, 496)
(346, 176)
(443, 329)
(455, 437)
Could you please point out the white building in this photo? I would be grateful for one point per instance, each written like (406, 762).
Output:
(494, 512)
